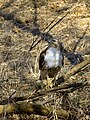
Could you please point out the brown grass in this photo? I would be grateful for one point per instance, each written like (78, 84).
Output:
(20, 24)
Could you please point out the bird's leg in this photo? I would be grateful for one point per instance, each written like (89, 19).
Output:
(49, 82)
(53, 81)
(43, 78)
(55, 78)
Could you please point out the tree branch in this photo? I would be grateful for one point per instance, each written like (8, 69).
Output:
(61, 89)
(73, 71)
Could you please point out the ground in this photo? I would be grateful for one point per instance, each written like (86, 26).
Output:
(22, 22)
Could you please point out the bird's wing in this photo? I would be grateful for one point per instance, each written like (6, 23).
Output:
(42, 60)
(62, 60)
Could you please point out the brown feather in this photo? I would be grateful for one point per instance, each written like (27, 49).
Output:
(41, 59)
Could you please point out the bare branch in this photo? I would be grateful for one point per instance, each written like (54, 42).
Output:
(61, 89)
(74, 70)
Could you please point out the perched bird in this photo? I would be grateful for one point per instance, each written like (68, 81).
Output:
(51, 60)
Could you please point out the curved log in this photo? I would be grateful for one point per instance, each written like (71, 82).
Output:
(31, 108)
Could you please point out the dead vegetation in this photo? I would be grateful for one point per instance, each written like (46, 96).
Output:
(25, 26)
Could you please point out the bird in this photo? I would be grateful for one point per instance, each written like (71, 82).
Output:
(51, 60)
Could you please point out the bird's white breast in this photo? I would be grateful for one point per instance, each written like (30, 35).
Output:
(53, 58)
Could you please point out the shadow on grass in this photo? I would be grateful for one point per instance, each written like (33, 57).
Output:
(71, 56)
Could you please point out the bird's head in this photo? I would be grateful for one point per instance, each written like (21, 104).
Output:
(56, 43)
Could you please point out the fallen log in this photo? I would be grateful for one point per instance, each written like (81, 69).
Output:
(31, 108)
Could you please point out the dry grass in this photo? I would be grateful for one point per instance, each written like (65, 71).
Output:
(20, 24)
